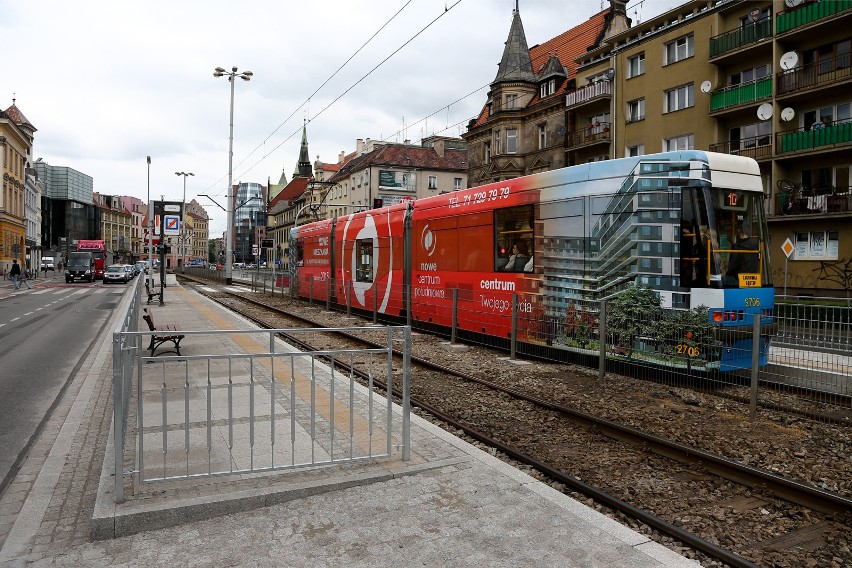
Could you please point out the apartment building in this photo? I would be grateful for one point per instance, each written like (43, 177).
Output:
(522, 127)
(16, 142)
(116, 227)
(765, 79)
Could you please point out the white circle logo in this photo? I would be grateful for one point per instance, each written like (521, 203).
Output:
(428, 241)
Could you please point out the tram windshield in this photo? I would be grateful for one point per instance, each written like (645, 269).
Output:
(723, 241)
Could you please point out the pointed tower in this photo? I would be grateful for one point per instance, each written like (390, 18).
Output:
(303, 169)
(516, 64)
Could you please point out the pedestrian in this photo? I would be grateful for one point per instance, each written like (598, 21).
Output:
(5, 271)
(15, 273)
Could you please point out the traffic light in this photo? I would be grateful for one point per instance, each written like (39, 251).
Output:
(377, 202)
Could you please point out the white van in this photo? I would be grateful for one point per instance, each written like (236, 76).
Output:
(47, 263)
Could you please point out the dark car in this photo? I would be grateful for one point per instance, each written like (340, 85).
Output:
(80, 266)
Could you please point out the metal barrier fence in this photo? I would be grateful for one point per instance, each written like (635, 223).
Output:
(809, 360)
(263, 406)
(125, 349)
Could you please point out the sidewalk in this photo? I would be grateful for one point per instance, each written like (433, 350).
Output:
(451, 505)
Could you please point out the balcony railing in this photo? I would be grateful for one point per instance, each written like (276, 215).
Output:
(818, 73)
(740, 94)
(808, 13)
(814, 136)
(593, 134)
(740, 37)
(838, 201)
(756, 147)
(587, 93)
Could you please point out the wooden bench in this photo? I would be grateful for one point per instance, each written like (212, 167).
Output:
(151, 295)
(167, 334)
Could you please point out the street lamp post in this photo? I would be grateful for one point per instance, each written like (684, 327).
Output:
(183, 217)
(150, 231)
(229, 230)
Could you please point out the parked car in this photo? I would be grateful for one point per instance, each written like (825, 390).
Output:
(116, 273)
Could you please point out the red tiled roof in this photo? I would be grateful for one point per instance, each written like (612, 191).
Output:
(567, 46)
(406, 156)
(292, 191)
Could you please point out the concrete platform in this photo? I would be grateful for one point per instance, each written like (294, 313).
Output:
(450, 505)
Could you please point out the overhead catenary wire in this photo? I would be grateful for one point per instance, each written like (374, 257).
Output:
(356, 83)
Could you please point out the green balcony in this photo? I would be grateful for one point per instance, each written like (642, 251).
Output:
(804, 15)
(741, 94)
(740, 37)
(810, 138)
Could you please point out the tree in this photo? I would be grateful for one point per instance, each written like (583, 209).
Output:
(633, 312)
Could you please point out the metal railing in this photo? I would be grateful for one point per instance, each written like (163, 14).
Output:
(581, 95)
(592, 134)
(740, 37)
(820, 135)
(809, 13)
(810, 348)
(825, 72)
(125, 349)
(756, 147)
(244, 402)
(744, 93)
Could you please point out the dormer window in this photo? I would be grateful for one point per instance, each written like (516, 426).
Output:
(548, 88)
(511, 101)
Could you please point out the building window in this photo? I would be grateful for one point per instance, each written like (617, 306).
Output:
(751, 135)
(548, 88)
(754, 16)
(433, 182)
(679, 98)
(751, 74)
(636, 65)
(457, 183)
(487, 156)
(511, 141)
(679, 49)
(683, 142)
(542, 137)
(498, 140)
(632, 151)
(511, 101)
(636, 110)
(817, 245)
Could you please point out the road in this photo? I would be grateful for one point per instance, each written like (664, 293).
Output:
(44, 335)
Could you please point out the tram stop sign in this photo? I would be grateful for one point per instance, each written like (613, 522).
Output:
(788, 248)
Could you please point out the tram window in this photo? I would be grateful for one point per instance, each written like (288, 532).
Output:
(364, 271)
(513, 239)
(300, 252)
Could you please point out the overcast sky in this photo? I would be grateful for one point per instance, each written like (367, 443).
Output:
(109, 82)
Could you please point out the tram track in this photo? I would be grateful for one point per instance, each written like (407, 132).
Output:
(531, 430)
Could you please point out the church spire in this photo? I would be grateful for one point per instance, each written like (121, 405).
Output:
(303, 169)
(516, 64)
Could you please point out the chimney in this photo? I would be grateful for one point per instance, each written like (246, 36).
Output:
(340, 157)
(359, 146)
(439, 147)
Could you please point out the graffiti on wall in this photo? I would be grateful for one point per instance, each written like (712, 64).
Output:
(835, 271)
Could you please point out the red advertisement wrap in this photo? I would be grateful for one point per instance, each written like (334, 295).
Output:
(369, 247)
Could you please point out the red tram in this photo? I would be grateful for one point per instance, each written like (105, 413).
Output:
(548, 243)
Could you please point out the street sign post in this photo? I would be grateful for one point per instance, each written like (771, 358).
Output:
(170, 212)
(787, 248)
